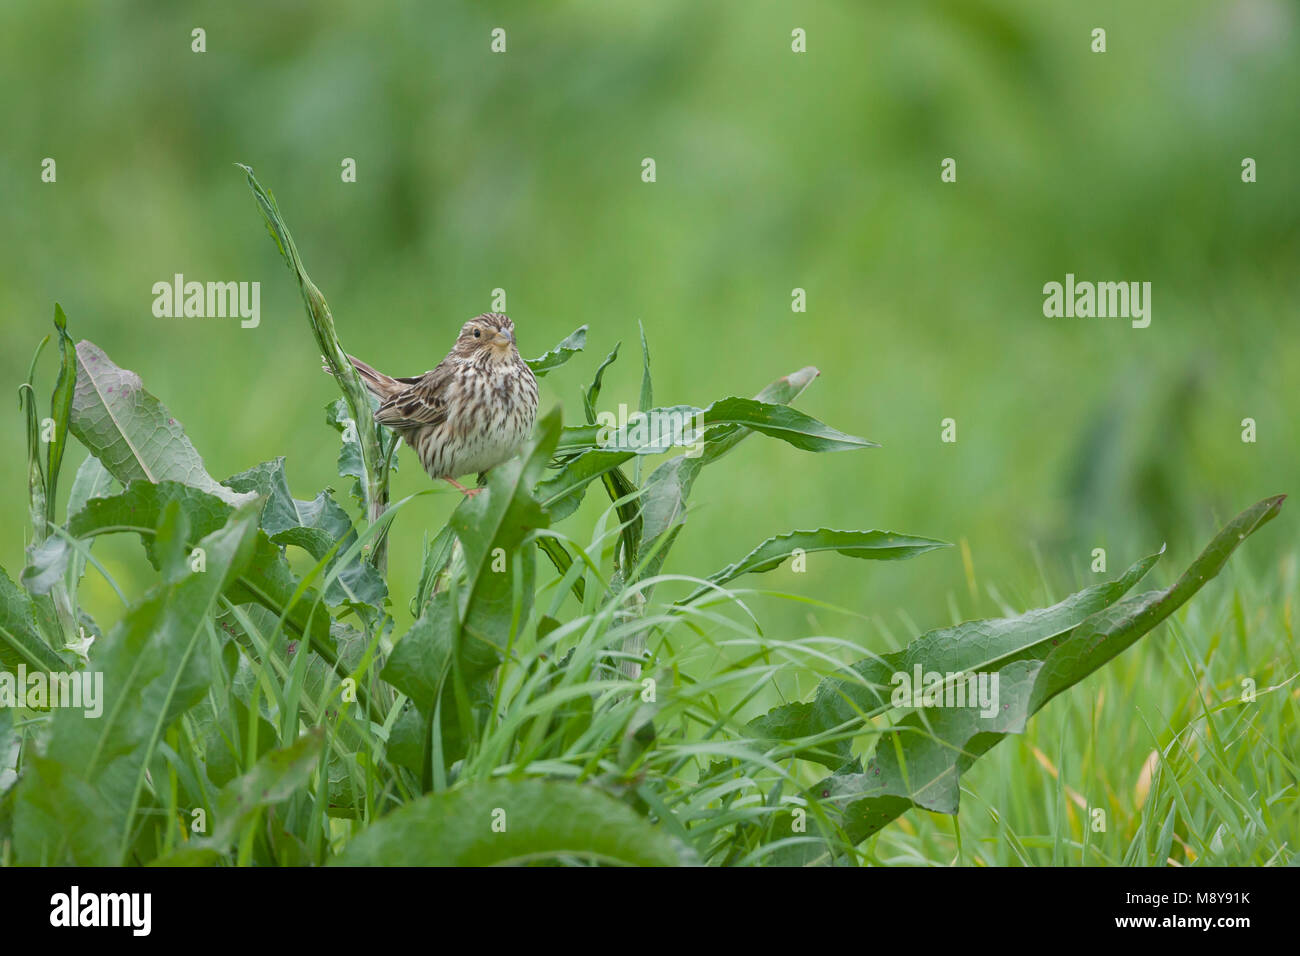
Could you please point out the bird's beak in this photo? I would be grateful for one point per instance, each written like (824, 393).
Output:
(504, 339)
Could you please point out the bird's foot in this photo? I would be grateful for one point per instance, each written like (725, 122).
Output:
(467, 492)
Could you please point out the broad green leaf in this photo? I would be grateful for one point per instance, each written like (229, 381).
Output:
(318, 527)
(919, 761)
(140, 507)
(60, 818)
(1107, 633)
(273, 779)
(130, 431)
(514, 822)
(152, 670)
(573, 343)
(972, 646)
(596, 451)
(20, 640)
(91, 481)
(562, 493)
(870, 545)
(265, 580)
(673, 425)
(224, 729)
(780, 421)
(422, 658)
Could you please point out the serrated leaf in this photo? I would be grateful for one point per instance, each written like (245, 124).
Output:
(572, 344)
(318, 527)
(351, 463)
(868, 545)
(265, 580)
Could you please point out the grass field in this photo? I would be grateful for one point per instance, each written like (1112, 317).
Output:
(522, 173)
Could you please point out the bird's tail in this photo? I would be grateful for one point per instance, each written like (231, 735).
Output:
(381, 385)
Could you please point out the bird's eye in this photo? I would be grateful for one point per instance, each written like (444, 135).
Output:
(477, 333)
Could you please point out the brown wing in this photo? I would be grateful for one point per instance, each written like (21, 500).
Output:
(423, 400)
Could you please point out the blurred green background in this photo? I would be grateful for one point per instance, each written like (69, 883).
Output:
(775, 170)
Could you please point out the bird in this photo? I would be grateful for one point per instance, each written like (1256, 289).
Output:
(471, 412)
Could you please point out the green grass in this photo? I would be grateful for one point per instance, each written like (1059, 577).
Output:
(817, 171)
(1161, 731)
(609, 708)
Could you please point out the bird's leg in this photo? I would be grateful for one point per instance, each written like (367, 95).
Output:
(468, 492)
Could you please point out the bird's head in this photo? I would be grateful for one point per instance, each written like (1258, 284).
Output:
(489, 337)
